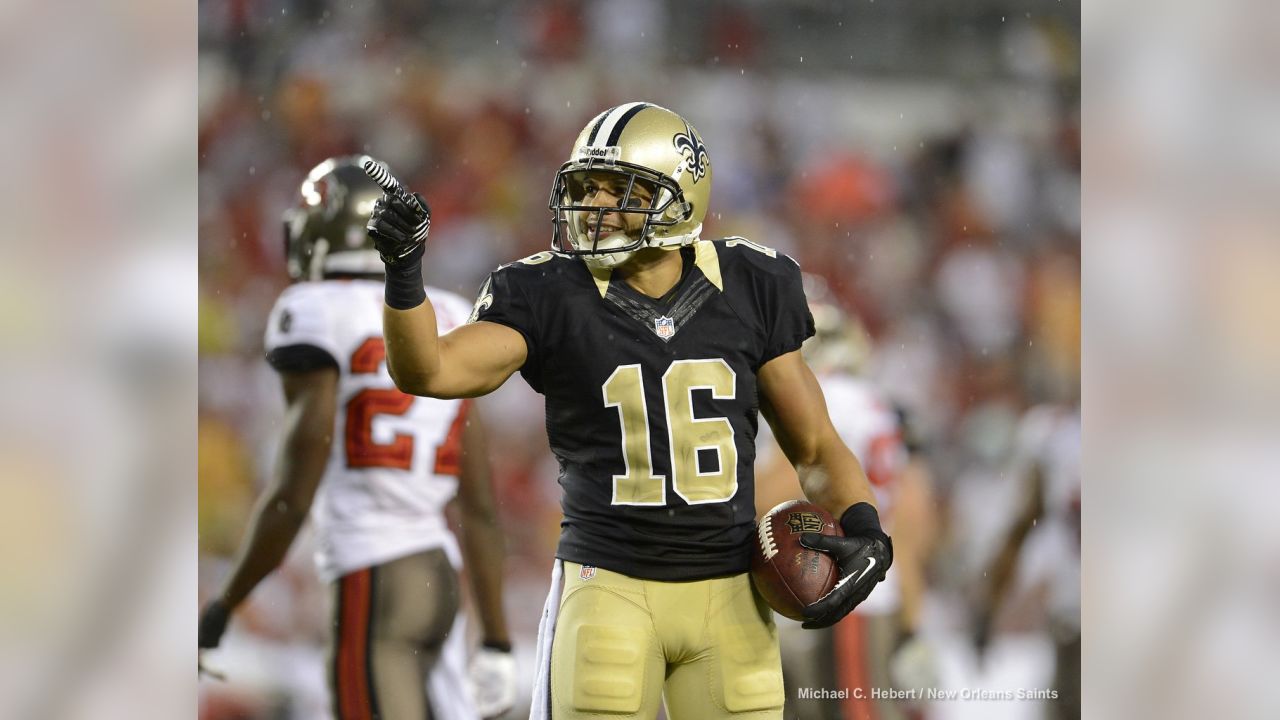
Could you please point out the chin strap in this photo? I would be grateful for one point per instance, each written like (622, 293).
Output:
(319, 251)
(663, 196)
(688, 238)
(610, 260)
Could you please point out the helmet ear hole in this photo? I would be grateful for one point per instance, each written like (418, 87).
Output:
(679, 211)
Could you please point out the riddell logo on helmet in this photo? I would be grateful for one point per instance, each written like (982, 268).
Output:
(612, 152)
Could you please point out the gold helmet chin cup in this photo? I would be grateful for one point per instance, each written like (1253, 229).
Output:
(643, 142)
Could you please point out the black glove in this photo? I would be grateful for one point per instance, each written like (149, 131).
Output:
(863, 555)
(213, 622)
(398, 226)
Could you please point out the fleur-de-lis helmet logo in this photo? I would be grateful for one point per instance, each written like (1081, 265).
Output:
(695, 153)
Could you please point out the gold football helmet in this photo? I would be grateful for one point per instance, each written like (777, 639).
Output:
(647, 147)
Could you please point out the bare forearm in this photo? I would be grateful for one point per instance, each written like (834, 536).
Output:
(272, 530)
(485, 557)
(834, 479)
(913, 530)
(1006, 560)
(413, 347)
(280, 511)
(482, 540)
(908, 565)
(791, 400)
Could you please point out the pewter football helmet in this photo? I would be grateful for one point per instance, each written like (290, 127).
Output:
(325, 233)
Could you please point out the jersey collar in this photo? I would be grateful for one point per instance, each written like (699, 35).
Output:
(705, 258)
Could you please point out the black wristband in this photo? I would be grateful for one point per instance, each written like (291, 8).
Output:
(861, 519)
(499, 646)
(404, 289)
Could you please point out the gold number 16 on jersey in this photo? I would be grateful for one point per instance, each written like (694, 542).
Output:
(686, 435)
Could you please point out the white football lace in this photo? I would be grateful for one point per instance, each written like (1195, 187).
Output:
(767, 545)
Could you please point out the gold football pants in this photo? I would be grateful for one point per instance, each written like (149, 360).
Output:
(707, 648)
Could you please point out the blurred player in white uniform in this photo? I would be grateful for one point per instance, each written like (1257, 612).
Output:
(375, 469)
(875, 643)
(1040, 555)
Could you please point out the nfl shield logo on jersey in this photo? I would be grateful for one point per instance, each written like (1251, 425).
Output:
(587, 572)
(665, 327)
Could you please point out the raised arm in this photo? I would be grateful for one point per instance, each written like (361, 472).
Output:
(470, 360)
(473, 359)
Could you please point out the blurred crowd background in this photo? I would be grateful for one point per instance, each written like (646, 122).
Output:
(923, 158)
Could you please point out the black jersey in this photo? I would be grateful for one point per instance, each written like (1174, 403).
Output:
(652, 404)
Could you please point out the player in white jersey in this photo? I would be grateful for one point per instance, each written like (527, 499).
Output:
(878, 634)
(1041, 550)
(375, 469)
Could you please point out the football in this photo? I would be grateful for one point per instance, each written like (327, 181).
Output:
(788, 575)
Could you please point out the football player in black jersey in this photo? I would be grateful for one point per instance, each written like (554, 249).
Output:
(654, 350)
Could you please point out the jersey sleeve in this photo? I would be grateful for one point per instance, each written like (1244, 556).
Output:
(299, 334)
(788, 320)
(502, 300)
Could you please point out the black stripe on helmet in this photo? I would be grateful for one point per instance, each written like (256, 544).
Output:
(622, 123)
(591, 139)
